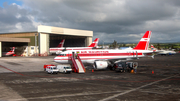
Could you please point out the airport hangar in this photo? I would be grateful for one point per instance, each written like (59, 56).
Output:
(46, 37)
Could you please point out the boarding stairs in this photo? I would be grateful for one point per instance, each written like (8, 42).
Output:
(78, 65)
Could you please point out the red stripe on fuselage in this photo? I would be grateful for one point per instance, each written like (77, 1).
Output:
(93, 58)
(70, 49)
(104, 54)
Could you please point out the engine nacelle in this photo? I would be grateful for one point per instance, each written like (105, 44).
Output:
(58, 52)
(100, 64)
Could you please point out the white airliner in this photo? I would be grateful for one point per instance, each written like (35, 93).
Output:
(100, 58)
(163, 52)
(60, 49)
(10, 53)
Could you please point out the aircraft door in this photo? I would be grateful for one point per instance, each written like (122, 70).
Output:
(73, 54)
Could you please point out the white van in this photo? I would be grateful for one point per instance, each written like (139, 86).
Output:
(64, 68)
(52, 69)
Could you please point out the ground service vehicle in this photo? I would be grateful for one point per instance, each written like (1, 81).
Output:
(130, 65)
(52, 69)
(47, 65)
(124, 66)
(64, 68)
(120, 67)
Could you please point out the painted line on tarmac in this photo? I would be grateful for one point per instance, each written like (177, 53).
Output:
(71, 95)
(128, 91)
(79, 78)
(12, 70)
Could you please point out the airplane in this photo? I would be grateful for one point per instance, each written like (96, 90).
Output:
(101, 58)
(61, 49)
(163, 52)
(11, 52)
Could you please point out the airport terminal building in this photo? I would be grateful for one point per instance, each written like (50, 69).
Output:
(44, 38)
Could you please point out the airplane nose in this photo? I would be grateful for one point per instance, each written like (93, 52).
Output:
(55, 59)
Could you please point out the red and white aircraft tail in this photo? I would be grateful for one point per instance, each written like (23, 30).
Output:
(61, 43)
(95, 42)
(152, 47)
(11, 52)
(144, 42)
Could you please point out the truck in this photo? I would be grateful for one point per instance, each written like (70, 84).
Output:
(64, 68)
(51, 69)
(130, 65)
(124, 66)
(47, 65)
(120, 67)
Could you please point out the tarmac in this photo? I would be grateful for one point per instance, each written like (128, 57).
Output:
(23, 79)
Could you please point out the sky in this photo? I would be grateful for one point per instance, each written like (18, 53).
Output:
(124, 21)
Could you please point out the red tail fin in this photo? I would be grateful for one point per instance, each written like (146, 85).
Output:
(144, 42)
(61, 43)
(13, 49)
(95, 42)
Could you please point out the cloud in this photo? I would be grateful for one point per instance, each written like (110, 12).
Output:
(14, 18)
(120, 20)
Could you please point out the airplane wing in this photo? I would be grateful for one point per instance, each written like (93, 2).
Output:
(119, 59)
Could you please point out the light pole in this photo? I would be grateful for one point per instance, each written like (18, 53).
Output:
(35, 44)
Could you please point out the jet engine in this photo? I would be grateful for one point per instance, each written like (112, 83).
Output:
(100, 64)
(58, 52)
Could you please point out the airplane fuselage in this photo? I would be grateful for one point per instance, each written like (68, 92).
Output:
(89, 56)
(166, 52)
(54, 50)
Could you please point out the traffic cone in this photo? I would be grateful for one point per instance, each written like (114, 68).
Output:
(152, 72)
(132, 71)
(92, 70)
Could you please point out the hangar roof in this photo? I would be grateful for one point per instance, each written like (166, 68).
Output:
(50, 30)
(9, 39)
(64, 31)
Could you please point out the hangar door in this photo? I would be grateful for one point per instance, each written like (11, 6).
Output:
(70, 41)
(19, 47)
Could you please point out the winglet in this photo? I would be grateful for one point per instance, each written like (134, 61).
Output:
(61, 43)
(95, 42)
(144, 42)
